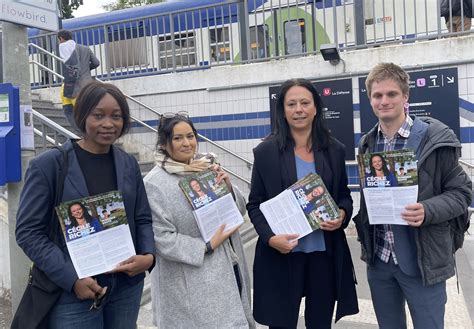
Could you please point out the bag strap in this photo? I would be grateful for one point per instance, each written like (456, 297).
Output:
(63, 168)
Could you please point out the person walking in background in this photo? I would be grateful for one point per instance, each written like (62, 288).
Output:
(78, 60)
(458, 14)
(95, 166)
(196, 284)
(319, 265)
(411, 263)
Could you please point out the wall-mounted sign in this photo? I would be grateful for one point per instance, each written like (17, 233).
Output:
(42, 14)
(433, 93)
(337, 100)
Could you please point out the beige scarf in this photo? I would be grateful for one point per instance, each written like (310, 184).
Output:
(200, 162)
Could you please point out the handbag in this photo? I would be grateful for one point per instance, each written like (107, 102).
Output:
(41, 294)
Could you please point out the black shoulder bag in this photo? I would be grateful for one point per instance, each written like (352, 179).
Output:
(41, 294)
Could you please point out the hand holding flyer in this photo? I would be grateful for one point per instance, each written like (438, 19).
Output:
(96, 232)
(212, 203)
(390, 182)
(301, 208)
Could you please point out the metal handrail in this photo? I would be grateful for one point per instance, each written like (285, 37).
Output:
(136, 101)
(48, 139)
(45, 120)
(467, 164)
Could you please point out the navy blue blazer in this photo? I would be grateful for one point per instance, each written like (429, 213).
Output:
(273, 172)
(37, 204)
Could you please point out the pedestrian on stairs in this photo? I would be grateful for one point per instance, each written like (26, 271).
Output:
(79, 60)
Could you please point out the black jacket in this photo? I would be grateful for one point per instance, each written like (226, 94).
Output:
(273, 172)
(456, 8)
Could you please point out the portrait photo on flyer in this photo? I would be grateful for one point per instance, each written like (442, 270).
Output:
(96, 232)
(389, 181)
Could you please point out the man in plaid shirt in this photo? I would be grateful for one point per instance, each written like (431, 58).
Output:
(410, 263)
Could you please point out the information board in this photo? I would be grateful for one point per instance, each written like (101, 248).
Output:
(433, 93)
(338, 110)
(42, 14)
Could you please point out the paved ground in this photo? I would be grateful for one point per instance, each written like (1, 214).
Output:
(459, 309)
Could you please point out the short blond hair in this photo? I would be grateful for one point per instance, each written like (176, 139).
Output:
(388, 71)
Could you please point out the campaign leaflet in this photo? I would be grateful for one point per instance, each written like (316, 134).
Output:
(212, 203)
(389, 181)
(313, 198)
(201, 188)
(301, 208)
(96, 232)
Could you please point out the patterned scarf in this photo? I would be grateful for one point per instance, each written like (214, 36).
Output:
(200, 162)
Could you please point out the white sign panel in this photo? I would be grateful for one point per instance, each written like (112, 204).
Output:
(34, 13)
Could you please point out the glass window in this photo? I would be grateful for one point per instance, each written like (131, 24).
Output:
(295, 37)
(184, 50)
(259, 42)
(219, 44)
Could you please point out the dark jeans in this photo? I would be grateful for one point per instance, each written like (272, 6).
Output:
(118, 310)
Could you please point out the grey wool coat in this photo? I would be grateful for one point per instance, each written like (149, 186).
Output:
(189, 288)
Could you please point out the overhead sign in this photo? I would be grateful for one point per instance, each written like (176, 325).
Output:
(42, 14)
(338, 110)
(433, 93)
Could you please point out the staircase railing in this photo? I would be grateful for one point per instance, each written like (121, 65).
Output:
(142, 123)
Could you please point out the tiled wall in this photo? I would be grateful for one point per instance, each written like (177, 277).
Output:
(239, 118)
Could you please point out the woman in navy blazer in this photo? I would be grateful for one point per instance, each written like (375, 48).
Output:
(317, 266)
(94, 166)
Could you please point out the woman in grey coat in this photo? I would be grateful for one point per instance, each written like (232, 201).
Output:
(195, 284)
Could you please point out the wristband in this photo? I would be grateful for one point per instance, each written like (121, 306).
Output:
(209, 249)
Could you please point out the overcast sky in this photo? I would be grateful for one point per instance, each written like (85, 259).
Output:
(91, 7)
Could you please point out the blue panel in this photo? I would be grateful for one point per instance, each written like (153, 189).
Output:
(237, 132)
(251, 115)
(239, 116)
(357, 137)
(227, 117)
(255, 132)
(231, 133)
(220, 135)
(225, 133)
(205, 119)
(264, 114)
(465, 135)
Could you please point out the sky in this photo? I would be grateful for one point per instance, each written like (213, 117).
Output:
(91, 7)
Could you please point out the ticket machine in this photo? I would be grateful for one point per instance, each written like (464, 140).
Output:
(10, 145)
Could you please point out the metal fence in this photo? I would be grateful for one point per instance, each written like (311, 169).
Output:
(243, 31)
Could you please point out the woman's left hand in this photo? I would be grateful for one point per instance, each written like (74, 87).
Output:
(134, 265)
(222, 176)
(332, 225)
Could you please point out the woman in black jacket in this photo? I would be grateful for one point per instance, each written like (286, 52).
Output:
(318, 266)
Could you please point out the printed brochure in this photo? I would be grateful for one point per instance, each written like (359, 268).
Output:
(96, 232)
(389, 182)
(212, 203)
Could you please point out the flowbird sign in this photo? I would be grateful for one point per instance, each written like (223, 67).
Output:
(42, 14)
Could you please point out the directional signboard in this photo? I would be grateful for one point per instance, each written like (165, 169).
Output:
(433, 93)
(42, 14)
(338, 110)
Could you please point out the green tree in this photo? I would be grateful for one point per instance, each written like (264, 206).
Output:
(67, 6)
(122, 4)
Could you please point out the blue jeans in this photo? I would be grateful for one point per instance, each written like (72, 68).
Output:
(119, 309)
(391, 288)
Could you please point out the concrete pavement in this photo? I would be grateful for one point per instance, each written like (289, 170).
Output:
(459, 309)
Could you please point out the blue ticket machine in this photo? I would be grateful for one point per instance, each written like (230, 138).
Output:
(10, 147)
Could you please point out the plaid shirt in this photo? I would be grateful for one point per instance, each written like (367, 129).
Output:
(384, 240)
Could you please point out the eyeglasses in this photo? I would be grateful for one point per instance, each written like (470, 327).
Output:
(98, 299)
(171, 115)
